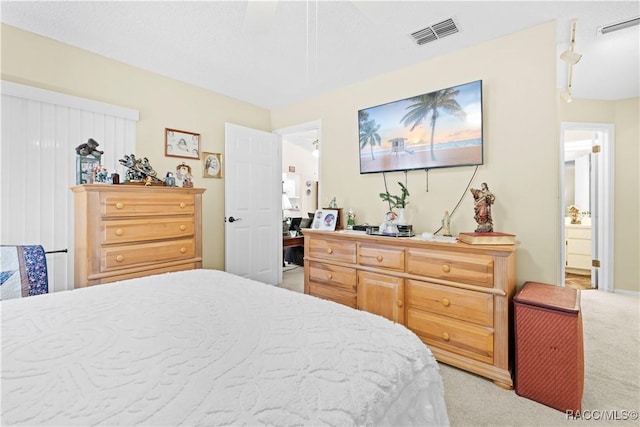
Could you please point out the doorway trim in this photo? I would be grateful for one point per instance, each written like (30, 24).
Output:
(302, 127)
(605, 189)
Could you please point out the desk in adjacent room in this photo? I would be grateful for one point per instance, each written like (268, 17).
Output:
(290, 242)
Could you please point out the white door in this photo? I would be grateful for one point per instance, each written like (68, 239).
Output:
(253, 204)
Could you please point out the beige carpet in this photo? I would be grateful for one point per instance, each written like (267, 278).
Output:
(611, 324)
(612, 374)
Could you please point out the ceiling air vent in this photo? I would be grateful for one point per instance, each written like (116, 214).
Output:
(435, 32)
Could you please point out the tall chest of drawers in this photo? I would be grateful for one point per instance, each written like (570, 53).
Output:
(456, 297)
(127, 231)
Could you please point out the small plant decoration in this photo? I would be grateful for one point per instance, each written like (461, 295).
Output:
(396, 201)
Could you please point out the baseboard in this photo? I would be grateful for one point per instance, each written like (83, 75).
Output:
(626, 292)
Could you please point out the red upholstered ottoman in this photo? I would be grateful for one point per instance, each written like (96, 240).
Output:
(548, 345)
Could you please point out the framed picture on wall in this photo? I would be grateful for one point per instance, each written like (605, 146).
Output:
(211, 165)
(180, 143)
(325, 219)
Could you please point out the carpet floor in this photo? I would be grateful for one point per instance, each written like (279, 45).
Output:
(611, 325)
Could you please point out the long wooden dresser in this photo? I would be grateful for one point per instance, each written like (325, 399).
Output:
(455, 297)
(126, 231)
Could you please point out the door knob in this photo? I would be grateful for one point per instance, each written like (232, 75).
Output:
(232, 219)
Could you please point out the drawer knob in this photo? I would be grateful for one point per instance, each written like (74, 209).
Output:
(446, 268)
(446, 302)
(445, 336)
(119, 258)
(329, 276)
(329, 251)
(400, 303)
(183, 250)
(379, 258)
(183, 227)
(182, 204)
(119, 205)
(119, 232)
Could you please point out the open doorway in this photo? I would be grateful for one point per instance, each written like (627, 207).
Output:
(586, 208)
(301, 145)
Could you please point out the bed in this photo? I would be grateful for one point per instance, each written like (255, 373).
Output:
(204, 347)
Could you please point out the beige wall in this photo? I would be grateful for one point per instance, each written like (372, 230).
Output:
(162, 102)
(627, 192)
(520, 127)
(521, 145)
(625, 115)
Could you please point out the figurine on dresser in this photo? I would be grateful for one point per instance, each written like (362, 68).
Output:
(89, 148)
(482, 201)
(138, 170)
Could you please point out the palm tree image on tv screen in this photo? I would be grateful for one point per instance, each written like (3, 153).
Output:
(433, 130)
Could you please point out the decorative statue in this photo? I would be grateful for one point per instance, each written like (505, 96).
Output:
(183, 175)
(333, 204)
(446, 224)
(89, 148)
(575, 212)
(138, 170)
(389, 225)
(483, 199)
(351, 219)
(170, 180)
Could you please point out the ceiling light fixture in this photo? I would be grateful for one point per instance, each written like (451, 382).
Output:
(571, 58)
(606, 29)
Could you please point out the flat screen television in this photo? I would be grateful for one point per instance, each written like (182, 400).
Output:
(434, 130)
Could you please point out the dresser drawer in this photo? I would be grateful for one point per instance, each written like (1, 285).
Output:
(475, 307)
(138, 204)
(474, 269)
(333, 275)
(133, 230)
(578, 233)
(334, 250)
(459, 337)
(115, 257)
(147, 272)
(333, 294)
(579, 246)
(381, 256)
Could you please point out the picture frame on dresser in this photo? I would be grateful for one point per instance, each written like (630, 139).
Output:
(325, 219)
(180, 143)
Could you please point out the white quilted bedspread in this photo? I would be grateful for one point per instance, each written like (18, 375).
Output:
(208, 348)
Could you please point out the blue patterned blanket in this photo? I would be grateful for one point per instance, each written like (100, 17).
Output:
(23, 271)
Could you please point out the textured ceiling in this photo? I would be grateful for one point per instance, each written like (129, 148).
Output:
(273, 56)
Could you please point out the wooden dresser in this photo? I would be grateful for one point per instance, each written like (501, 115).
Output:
(455, 297)
(127, 231)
